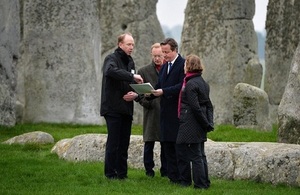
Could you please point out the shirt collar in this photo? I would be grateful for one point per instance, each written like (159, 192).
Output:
(174, 59)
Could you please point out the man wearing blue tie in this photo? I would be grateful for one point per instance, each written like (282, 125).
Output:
(168, 87)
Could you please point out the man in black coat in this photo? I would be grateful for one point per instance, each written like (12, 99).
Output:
(151, 113)
(117, 105)
(168, 87)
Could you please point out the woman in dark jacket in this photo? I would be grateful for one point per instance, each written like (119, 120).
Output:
(195, 112)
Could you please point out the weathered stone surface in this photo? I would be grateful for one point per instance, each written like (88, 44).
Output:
(289, 108)
(36, 137)
(273, 113)
(280, 164)
(59, 71)
(219, 159)
(121, 16)
(19, 112)
(282, 26)
(9, 53)
(87, 147)
(267, 162)
(251, 107)
(59, 75)
(222, 34)
(91, 147)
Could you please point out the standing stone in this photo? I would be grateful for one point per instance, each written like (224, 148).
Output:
(59, 71)
(121, 16)
(289, 107)
(9, 54)
(137, 17)
(282, 25)
(222, 33)
(251, 108)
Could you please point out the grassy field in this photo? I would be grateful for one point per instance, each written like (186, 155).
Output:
(32, 169)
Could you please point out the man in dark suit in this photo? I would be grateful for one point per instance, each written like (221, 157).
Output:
(168, 87)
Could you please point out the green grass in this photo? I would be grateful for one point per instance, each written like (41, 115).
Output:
(58, 131)
(228, 133)
(32, 169)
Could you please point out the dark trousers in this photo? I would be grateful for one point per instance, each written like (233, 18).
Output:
(194, 153)
(171, 156)
(118, 138)
(149, 161)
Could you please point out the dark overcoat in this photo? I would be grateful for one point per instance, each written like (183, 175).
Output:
(118, 72)
(151, 109)
(170, 84)
(196, 112)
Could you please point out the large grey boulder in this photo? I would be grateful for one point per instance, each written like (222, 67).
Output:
(220, 159)
(87, 147)
(267, 162)
(282, 26)
(36, 137)
(59, 72)
(9, 54)
(289, 108)
(251, 108)
(91, 147)
(275, 163)
(222, 34)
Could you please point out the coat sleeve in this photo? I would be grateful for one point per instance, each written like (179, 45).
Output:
(201, 106)
(145, 103)
(112, 69)
(198, 110)
(210, 115)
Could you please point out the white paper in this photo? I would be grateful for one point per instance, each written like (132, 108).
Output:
(142, 88)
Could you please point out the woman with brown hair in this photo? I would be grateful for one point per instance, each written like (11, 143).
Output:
(195, 113)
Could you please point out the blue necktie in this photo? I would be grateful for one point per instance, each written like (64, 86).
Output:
(169, 67)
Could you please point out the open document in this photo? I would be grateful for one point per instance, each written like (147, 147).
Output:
(142, 88)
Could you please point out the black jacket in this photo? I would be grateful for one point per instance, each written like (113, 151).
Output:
(118, 72)
(196, 113)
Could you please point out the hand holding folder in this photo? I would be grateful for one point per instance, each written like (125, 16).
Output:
(142, 88)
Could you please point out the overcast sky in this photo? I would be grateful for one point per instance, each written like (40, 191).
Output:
(177, 15)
